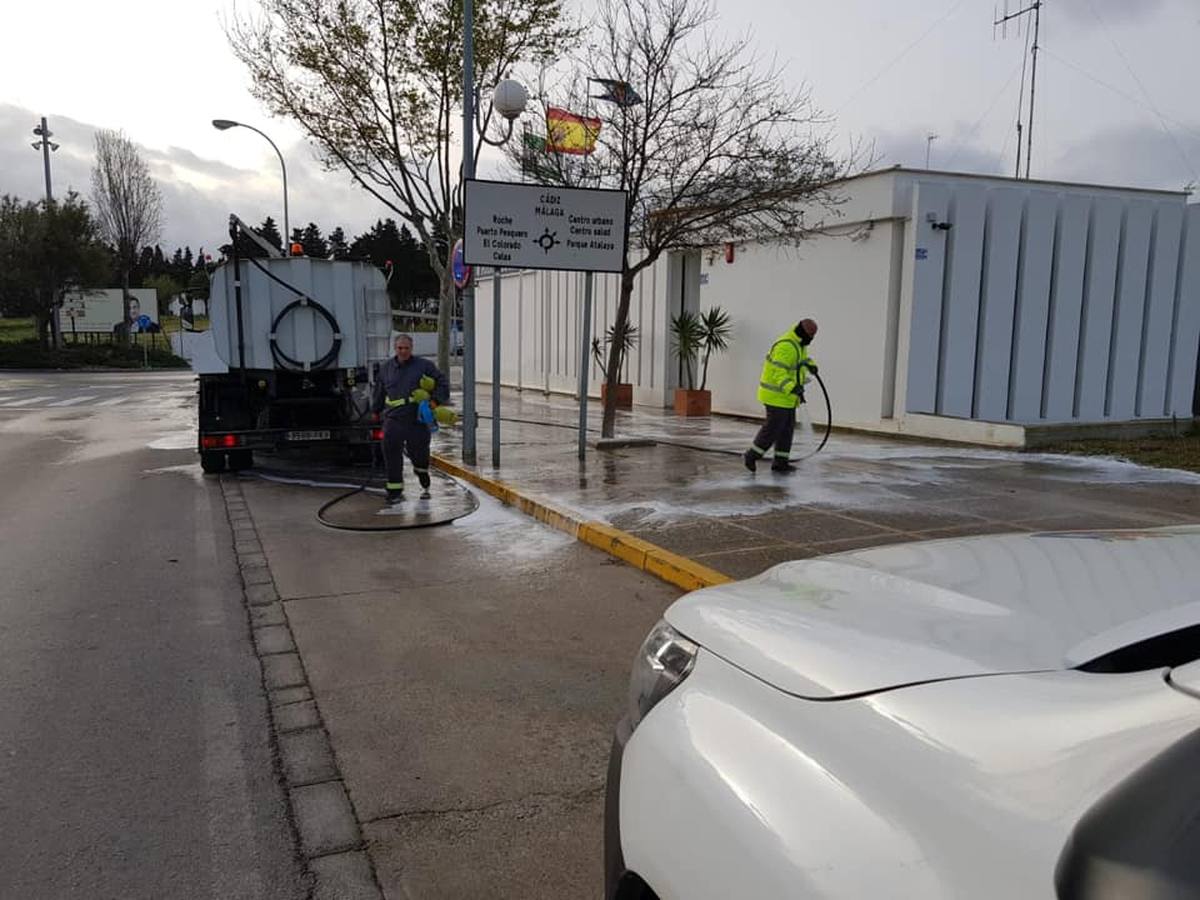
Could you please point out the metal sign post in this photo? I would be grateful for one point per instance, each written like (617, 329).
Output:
(468, 297)
(496, 368)
(584, 347)
(539, 226)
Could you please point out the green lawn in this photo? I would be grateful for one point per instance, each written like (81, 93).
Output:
(20, 349)
(21, 329)
(1166, 452)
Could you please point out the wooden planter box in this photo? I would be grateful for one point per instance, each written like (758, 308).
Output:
(624, 395)
(692, 403)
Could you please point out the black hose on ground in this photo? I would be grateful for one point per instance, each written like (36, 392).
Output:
(352, 492)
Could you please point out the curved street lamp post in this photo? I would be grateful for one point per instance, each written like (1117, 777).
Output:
(225, 125)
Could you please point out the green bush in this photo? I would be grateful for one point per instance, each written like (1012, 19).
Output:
(29, 354)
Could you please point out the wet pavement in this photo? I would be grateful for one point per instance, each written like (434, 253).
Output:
(690, 493)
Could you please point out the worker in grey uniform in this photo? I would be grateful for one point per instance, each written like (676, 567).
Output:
(398, 394)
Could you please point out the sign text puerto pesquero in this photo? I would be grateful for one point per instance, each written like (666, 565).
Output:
(537, 226)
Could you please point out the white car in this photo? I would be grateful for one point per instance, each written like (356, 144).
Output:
(1010, 716)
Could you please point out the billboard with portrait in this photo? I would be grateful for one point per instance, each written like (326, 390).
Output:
(102, 309)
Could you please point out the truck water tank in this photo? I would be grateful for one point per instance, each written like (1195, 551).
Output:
(354, 293)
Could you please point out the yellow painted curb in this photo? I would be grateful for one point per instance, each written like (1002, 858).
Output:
(650, 558)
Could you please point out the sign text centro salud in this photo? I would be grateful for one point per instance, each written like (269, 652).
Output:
(538, 226)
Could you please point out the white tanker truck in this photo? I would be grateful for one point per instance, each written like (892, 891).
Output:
(297, 340)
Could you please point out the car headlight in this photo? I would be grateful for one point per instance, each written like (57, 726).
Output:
(664, 660)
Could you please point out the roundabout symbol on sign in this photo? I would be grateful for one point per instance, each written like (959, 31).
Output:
(548, 241)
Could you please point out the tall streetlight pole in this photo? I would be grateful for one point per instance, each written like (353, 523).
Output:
(509, 100)
(225, 125)
(46, 145)
(468, 297)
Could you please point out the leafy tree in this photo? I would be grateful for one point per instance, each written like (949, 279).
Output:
(46, 250)
(165, 288)
(128, 202)
(377, 87)
(199, 285)
(714, 148)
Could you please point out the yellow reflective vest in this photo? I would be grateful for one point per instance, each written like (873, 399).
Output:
(782, 371)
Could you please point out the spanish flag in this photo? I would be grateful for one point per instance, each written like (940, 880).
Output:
(569, 133)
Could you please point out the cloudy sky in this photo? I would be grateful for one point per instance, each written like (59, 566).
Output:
(1117, 95)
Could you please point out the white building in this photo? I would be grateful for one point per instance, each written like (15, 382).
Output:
(953, 306)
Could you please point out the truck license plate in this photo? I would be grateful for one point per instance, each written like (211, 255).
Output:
(308, 435)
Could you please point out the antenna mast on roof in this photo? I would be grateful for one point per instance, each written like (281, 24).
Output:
(1002, 21)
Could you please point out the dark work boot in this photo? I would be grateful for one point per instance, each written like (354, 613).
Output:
(750, 459)
(395, 496)
(782, 466)
(423, 477)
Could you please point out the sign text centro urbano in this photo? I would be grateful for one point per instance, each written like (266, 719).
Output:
(538, 226)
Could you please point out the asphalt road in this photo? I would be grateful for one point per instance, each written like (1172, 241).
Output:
(135, 758)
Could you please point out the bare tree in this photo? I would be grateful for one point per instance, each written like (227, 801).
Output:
(377, 86)
(711, 145)
(128, 202)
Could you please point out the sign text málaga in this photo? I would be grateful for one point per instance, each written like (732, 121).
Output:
(536, 226)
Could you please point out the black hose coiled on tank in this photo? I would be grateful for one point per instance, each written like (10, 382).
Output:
(282, 359)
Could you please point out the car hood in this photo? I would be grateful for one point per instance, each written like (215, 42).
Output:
(860, 622)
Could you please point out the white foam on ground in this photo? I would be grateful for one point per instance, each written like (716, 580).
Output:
(506, 533)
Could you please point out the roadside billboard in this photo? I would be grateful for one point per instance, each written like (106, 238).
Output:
(103, 310)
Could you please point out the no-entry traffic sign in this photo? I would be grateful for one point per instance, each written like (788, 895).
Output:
(459, 270)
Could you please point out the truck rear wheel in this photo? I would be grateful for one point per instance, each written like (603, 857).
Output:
(240, 459)
(212, 461)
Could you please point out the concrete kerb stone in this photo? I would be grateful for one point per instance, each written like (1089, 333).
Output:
(344, 876)
(261, 594)
(322, 815)
(325, 819)
(287, 696)
(650, 558)
(283, 670)
(273, 639)
(307, 757)
(256, 576)
(267, 614)
(297, 716)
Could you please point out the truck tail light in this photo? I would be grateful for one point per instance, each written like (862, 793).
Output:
(219, 441)
(377, 434)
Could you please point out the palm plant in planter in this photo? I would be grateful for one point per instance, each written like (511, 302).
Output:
(628, 339)
(696, 339)
(688, 340)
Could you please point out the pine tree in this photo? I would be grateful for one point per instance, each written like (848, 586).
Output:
(338, 248)
(314, 242)
(270, 232)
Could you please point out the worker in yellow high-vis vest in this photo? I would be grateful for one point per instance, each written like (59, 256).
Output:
(780, 391)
